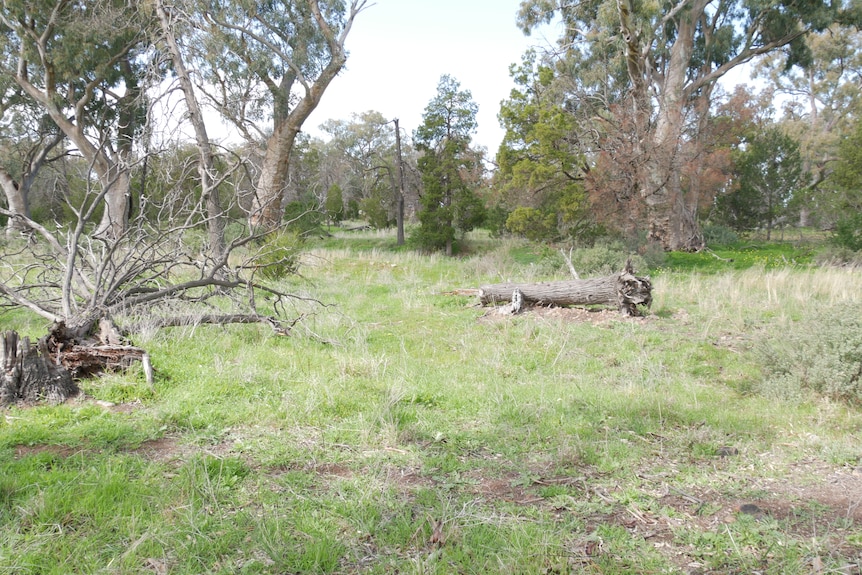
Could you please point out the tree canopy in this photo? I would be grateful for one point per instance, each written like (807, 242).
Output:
(448, 167)
(649, 70)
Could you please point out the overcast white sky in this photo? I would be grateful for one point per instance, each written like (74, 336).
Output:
(400, 48)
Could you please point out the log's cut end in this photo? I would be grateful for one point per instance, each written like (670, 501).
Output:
(633, 293)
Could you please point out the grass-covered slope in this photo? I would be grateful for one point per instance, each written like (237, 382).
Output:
(403, 430)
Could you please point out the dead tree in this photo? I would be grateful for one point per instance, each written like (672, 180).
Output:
(29, 375)
(624, 290)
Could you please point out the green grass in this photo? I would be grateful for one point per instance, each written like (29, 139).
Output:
(741, 256)
(403, 430)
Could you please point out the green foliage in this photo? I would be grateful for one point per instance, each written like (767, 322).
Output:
(541, 168)
(717, 235)
(847, 177)
(768, 172)
(740, 256)
(496, 217)
(532, 224)
(303, 217)
(278, 255)
(848, 232)
(821, 353)
(605, 258)
(334, 204)
(375, 209)
(449, 205)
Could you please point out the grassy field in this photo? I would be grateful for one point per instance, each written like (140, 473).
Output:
(404, 430)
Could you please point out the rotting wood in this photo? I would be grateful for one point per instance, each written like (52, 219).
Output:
(29, 374)
(624, 290)
(49, 369)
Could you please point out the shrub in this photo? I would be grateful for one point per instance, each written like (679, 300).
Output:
(374, 210)
(495, 221)
(838, 256)
(605, 258)
(848, 232)
(718, 235)
(821, 353)
(304, 217)
(278, 256)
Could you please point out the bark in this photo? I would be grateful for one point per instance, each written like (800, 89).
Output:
(18, 192)
(624, 290)
(113, 173)
(17, 202)
(116, 186)
(29, 374)
(206, 161)
(268, 203)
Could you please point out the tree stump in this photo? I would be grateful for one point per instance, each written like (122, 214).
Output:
(48, 370)
(29, 375)
(623, 290)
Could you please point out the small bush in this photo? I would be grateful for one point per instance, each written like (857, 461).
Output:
(303, 217)
(717, 235)
(848, 232)
(653, 255)
(605, 258)
(495, 221)
(279, 255)
(838, 256)
(822, 353)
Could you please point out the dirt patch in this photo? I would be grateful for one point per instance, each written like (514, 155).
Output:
(58, 450)
(165, 449)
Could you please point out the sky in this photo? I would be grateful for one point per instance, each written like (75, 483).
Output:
(398, 49)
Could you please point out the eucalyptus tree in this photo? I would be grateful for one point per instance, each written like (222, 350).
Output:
(79, 62)
(28, 140)
(366, 147)
(658, 64)
(822, 105)
(273, 60)
(172, 23)
(449, 204)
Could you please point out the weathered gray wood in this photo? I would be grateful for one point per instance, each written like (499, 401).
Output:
(29, 375)
(623, 290)
(48, 370)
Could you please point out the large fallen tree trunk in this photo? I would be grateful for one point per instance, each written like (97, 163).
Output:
(623, 290)
(48, 370)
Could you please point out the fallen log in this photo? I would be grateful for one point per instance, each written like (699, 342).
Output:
(624, 290)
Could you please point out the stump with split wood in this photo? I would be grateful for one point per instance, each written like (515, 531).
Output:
(47, 370)
(624, 290)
